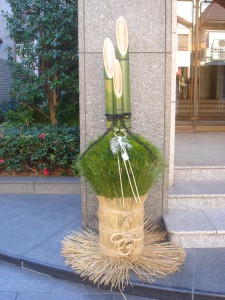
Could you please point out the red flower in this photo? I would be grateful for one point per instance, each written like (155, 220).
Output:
(46, 172)
(1, 161)
(42, 136)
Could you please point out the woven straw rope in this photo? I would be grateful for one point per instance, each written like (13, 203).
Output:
(121, 232)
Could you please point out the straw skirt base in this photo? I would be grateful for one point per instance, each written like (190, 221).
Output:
(158, 259)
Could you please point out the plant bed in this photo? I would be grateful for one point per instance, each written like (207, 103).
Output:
(54, 173)
(38, 150)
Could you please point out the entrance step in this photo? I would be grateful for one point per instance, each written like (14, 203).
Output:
(196, 208)
(196, 228)
(197, 194)
(39, 185)
(193, 173)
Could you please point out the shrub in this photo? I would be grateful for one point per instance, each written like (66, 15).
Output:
(5, 107)
(38, 148)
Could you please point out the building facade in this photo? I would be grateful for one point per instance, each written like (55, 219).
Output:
(200, 65)
(6, 52)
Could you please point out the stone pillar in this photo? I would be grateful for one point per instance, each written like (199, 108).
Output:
(150, 35)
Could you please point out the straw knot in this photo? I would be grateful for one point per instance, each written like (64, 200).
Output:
(125, 242)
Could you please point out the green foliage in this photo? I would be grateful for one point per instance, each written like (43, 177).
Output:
(5, 107)
(18, 115)
(100, 167)
(47, 44)
(38, 147)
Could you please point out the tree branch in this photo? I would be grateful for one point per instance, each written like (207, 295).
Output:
(35, 108)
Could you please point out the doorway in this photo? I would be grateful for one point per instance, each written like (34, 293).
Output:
(200, 65)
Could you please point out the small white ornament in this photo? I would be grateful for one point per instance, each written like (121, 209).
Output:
(118, 143)
(125, 156)
(121, 144)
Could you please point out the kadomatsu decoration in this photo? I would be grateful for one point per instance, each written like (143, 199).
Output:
(121, 167)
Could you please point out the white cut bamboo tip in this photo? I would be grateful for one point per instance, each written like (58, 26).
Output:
(122, 35)
(117, 78)
(108, 57)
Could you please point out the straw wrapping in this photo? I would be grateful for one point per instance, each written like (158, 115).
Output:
(121, 227)
(123, 243)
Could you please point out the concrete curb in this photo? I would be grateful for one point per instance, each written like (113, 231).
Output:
(39, 185)
(137, 288)
(146, 290)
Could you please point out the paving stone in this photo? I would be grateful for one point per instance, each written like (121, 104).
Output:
(14, 205)
(130, 297)
(200, 148)
(8, 295)
(17, 279)
(36, 225)
(69, 287)
(184, 278)
(65, 296)
(97, 296)
(210, 275)
(26, 231)
(50, 248)
(94, 290)
(33, 296)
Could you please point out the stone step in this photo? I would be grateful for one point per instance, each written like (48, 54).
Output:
(196, 201)
(39, 185)
(199, 172)
(186, 194)
(196, 228)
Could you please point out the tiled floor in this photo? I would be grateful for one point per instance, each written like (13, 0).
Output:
(32, 228)
(23, 284)
(200, 149)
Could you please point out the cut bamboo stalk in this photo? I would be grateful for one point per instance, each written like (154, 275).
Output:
(117, 87)
(123, 57)
(109, 59)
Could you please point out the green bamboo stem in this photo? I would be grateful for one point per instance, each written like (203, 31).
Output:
(123, 57)
(117, 86)
(109, 59)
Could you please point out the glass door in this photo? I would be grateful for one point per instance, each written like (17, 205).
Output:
(200, 76)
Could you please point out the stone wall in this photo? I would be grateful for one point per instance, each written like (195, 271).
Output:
(5, 81)
(150, 35)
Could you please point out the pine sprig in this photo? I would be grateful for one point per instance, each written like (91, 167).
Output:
(100, 167)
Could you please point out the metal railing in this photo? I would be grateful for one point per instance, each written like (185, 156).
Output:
(217, 54)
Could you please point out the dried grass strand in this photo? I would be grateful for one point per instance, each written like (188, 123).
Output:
(158, 259)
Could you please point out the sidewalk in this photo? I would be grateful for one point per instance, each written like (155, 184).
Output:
(21, 284)
(33, 225)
